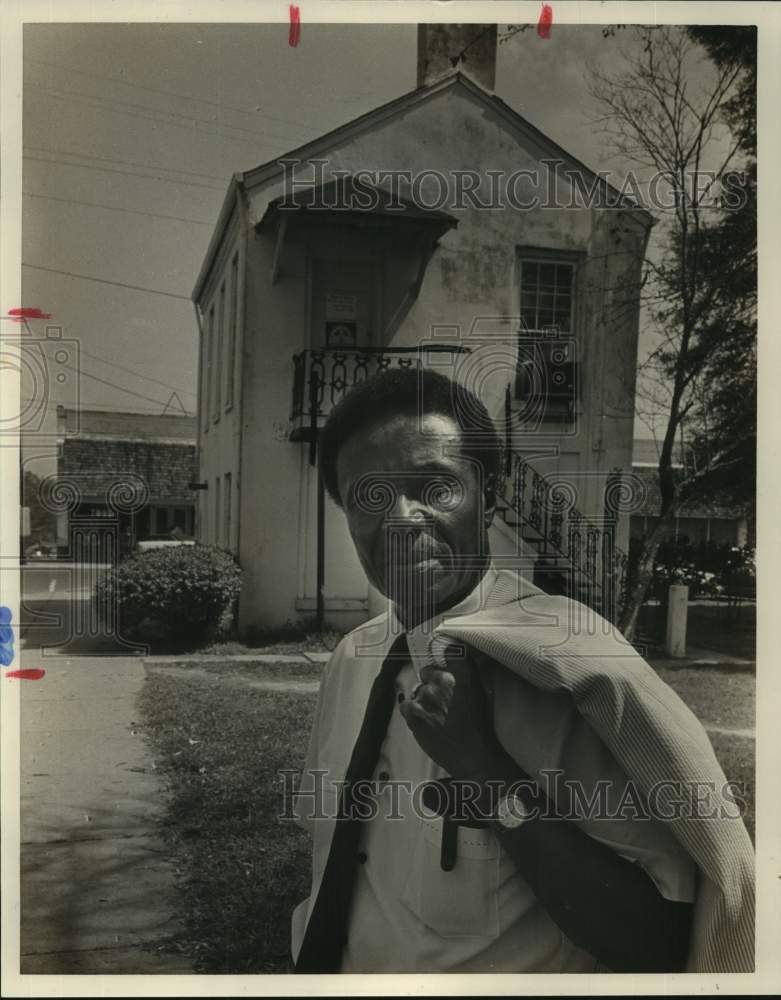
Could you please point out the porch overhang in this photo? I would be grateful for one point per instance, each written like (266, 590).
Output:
(347, 202)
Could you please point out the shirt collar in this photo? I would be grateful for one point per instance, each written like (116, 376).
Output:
(419, 637)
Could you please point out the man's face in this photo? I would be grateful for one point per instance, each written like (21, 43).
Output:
(416, 512)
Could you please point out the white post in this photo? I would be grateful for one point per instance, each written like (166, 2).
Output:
(677, 610)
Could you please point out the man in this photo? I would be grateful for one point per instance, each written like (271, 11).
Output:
(491, 871)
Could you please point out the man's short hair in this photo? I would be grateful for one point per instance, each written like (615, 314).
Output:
(414, 392)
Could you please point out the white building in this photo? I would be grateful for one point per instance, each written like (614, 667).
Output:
(306, 287)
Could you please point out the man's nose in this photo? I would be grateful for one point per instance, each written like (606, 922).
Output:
(411, 511)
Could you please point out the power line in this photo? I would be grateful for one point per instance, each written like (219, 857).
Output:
(77, 405)
(166, 385)
(137, 114)
(113, 208)
(127, 163)
(130, 371)
(105, 281)
(114, 385)
(95, 102)
(127, 173)
(171, 93)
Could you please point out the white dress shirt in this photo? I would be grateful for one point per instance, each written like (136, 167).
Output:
(408, 914)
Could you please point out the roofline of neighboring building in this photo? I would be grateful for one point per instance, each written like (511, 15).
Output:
(265, 171)
(123, 413)
(128, 439)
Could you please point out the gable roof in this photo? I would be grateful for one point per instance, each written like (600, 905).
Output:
(398, 105)
(391, 109)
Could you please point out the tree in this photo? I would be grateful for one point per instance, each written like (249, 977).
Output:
(726, 420)
(43, 523)
(700, 283)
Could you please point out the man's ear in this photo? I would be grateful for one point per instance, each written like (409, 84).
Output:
(489, 499)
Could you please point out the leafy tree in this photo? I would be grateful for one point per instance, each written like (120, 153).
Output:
(700, 287)
(43, 524)
(725, 420)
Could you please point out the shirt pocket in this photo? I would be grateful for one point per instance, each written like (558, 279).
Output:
(463, 902)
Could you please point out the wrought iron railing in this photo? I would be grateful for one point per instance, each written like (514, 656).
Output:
(578, 552)
(322, 377)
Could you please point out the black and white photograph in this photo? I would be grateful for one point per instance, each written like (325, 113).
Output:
(380, 509)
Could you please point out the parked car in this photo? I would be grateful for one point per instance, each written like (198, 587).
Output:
(41, 550)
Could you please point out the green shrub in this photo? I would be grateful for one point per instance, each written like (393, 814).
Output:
(181, 592)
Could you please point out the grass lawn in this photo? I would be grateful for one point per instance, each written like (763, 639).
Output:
(219, 739)
(726, 699)
(293, 639)
(286, 640)
(738, 761)
(241, 869)
(717, 697)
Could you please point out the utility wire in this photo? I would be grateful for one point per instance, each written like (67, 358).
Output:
(113, 208)
(127, 163)
(126, 173)
(148, 378)
(182, 97)
(114, 385)
(78, 405)
(105, 281)
(91, 101)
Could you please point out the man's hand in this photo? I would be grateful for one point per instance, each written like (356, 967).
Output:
(450, 718)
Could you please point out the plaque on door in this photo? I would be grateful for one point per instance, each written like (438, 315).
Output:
(340, 334)
(340, 319)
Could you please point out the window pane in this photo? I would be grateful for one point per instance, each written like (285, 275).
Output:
(218, 348)
(528, 319)
(548, 274)
(207, 368)
(228, 498)
(547, 307)
(545, 318)
(217, 511)
(546, 301)
(232, 322)
(529, 273)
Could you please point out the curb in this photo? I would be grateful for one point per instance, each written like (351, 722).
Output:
(735, 664)
(305, 658)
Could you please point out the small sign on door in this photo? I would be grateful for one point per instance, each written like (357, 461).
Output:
(341, 306)
(340, 334)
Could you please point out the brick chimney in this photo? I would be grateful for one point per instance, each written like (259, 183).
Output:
(457, 48)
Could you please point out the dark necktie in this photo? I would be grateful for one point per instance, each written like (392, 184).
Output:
(326, 932)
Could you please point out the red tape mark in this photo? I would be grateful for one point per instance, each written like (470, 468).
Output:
(294, 35)
(20, 315)
(545, 21)
(26, 675)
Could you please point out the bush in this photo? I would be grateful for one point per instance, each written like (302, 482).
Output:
(709, 569)
(186, 591)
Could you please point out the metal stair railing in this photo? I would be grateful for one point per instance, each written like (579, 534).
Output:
(578, 550)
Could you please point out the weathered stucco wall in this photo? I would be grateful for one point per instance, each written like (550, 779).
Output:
(470, 287)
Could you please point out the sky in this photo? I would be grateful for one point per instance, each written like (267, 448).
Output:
(131, 133)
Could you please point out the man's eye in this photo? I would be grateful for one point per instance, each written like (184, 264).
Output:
(373, 495)
(443, 493)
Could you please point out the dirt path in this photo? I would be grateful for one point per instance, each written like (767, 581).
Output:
(96, 889)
